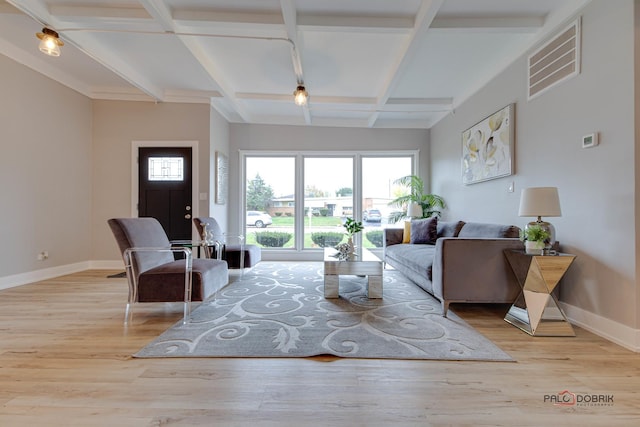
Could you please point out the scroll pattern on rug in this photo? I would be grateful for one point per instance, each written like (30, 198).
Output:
(279, 310)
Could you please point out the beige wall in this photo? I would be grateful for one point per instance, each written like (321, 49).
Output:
(596, 185)
(45, 172)
(116, 124)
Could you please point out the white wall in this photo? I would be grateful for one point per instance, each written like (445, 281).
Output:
(308, 138)
(596, 185)
(218, 141)
(45, 173)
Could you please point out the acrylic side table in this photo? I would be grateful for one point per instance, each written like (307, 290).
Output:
(536, 310)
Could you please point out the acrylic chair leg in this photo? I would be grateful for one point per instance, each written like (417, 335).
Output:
(186, 313)
(127, 314)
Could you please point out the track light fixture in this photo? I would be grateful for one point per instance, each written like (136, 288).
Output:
(49, 42)
(300, 95)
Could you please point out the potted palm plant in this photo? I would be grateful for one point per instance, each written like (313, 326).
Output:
(430, 203)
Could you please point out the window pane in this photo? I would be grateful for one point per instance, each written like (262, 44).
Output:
(378, 175)
(166, 169)
(270, 201)
(328, 187)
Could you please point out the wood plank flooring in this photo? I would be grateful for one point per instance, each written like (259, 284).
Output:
(65, 360)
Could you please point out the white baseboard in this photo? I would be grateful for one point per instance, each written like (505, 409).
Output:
(608, 329)
(7, 282)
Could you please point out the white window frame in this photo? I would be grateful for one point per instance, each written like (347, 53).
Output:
(298, 252)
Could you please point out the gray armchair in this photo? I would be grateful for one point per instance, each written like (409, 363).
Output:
(152, 271)
(236, 253)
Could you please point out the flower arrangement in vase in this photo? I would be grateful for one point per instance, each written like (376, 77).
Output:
(346, 251)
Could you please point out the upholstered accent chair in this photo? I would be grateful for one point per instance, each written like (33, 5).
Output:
(155, 275)
(234, 250)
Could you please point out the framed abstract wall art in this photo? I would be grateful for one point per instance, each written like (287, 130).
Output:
(488, 147)
(222, 178)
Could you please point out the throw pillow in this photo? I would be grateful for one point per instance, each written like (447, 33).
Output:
(406, 235)
(424, 231)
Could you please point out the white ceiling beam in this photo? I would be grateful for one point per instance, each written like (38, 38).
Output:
(222, 16)
(90, 18)
(418, 104)
(289, 17)
(99, 12)
(208, 19)
(421, 101)
(162, 14)
(215, 22)
(355, 23)
(317, 99)
(424, 18)
(512, 24)
(212, 19)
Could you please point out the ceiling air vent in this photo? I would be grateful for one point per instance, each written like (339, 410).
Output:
(556, 61)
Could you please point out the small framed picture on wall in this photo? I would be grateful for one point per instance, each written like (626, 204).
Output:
(222, 178)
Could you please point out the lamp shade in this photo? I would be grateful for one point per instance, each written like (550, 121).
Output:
(539, 201)
(414, 210)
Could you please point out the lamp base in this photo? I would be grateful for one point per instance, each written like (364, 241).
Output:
(548, 243)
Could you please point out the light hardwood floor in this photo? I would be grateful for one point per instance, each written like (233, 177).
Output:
(65, 360)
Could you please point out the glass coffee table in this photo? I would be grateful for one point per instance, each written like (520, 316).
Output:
(365, 265)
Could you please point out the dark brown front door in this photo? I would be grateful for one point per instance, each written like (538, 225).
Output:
(164, 189)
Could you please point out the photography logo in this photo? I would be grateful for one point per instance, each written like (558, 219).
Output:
(567, 398)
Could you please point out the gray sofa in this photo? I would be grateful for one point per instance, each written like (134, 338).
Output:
(462, 262)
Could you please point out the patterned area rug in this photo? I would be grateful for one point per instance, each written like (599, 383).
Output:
(278, 310)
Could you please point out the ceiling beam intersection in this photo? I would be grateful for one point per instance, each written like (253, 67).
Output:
(424, 18)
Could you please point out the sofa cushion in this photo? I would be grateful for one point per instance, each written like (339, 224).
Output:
(424, 231)
(412, 260)
(449, 228)
(477, 229)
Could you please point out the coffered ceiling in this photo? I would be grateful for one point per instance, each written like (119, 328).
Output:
(365, 63)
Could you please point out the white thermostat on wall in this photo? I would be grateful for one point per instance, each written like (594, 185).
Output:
(590, 140)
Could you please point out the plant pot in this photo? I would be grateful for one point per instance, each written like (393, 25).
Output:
(533, 248)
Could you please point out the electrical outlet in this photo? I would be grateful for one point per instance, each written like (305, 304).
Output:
(43, 255)
(511, 187)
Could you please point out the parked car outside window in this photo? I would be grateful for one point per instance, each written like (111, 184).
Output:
(258, 219)
(372, 215)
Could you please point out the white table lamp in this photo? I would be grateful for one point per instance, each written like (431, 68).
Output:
(414, 210)
(539, 202)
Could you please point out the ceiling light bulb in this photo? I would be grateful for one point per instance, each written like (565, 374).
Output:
(49, 42)
(300, 96)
